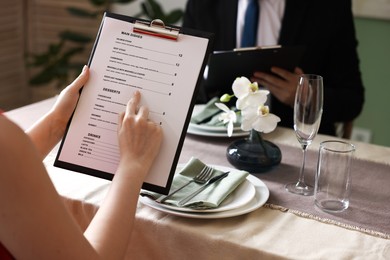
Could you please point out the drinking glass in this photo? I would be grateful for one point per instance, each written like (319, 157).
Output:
(333, 176)
(307, 119)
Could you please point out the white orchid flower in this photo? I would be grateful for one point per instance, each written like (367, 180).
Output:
(228, 116)
(258, 118)
(247, 93)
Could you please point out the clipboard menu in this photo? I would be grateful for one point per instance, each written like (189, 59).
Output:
(224, 66)
(165, 64)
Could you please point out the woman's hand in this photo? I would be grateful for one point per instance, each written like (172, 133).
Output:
(139, 138)
(49, 129)
(282, 87)
(67, 100)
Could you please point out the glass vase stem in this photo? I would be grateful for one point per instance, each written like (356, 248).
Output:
(255, 137)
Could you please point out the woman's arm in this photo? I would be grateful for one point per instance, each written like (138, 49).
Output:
(139, 142)
(49, 130)
(35, 223)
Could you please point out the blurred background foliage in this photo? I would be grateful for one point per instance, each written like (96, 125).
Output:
(56, 65)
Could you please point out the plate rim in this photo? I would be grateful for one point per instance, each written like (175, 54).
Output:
(195, 131)
(207, 128)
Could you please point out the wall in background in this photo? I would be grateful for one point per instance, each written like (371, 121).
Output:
(13, 87)
(371, 8)
(374, 51)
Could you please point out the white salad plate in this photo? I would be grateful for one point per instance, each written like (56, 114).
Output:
(212, 131)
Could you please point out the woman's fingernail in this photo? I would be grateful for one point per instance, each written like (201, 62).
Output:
(85, 68)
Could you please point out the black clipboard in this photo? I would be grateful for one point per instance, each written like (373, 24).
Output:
(141, 28)
(225, 66)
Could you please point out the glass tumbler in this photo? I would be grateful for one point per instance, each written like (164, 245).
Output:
(333, 177)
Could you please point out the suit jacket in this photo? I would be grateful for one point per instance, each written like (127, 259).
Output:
(326, 28)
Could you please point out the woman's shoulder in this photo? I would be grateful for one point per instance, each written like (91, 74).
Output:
(7, 124)
(11, 133)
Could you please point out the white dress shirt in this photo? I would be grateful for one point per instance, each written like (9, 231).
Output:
(270, 21)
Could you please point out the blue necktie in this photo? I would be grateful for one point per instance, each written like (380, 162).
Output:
(249, 34)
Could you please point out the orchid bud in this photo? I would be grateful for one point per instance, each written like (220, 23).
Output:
(225, 98)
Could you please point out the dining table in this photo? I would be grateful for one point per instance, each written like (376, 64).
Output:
(283, 226)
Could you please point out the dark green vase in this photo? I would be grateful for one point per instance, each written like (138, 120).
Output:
(253, 154)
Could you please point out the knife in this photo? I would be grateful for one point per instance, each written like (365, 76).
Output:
(211, 181)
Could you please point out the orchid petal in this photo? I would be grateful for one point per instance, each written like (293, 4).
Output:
(266, 124)
(246, 125)
(241, 87)
(223, 107)
(230, 128)
(249, 112)
(228, 116)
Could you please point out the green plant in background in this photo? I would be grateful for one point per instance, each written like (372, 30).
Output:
(56, 65)
(153, 10)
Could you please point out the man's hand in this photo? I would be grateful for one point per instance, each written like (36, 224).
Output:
(282, 87)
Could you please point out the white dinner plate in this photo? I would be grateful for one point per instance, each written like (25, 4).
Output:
(260, 198)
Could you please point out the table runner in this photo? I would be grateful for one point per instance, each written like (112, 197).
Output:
(369, 209)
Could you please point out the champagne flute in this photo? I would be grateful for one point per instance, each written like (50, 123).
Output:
(307, 119)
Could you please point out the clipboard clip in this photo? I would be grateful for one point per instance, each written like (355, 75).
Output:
(156, 28)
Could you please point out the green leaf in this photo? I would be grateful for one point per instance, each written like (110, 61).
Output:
(145, 10)
(156, 7)
(81, 12)
(122, 1)
(45, 76)
(72, 51)
(39, 60)
(98, 2)
(77, 67)
(75, 37)
(174, 16)
(152, 10)
(54, 49)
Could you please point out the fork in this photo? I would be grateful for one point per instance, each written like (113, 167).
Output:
(201, 178)
(209, 182)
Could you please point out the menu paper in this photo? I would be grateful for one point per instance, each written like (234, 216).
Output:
(165, 71)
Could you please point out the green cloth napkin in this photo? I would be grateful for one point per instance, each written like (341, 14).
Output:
(209, 198)
(210, 110)
(207, 111)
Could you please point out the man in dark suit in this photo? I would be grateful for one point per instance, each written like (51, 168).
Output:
(325, 28)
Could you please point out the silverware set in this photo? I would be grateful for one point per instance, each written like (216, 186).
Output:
(209, 182)
(204, 177)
